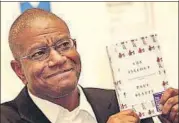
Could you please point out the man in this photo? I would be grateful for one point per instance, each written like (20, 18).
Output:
(47, 62)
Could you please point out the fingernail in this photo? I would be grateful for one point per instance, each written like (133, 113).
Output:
(160, 107)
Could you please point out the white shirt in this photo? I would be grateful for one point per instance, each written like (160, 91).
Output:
(57, 114)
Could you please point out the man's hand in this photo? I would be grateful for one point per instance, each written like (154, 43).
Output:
(127, 116)
(169, 106)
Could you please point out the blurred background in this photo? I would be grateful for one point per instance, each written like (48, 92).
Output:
(95, 25)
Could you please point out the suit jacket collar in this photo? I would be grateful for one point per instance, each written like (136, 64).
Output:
(28, 110)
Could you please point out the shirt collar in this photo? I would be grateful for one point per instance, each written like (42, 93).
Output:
(52, 111)
(84, 104)
(47, 107)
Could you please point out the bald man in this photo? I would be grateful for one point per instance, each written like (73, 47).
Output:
(47, 62)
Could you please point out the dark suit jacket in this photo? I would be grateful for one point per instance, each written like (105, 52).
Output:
(23, 110)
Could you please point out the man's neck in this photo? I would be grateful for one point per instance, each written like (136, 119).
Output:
(70, 101)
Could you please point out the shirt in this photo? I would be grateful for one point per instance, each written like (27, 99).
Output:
(57, 114)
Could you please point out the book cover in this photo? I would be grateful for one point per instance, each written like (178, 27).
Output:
(138, 74)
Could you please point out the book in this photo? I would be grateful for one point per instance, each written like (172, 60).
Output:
(138, 74)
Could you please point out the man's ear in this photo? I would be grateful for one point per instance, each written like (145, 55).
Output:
(16, 66)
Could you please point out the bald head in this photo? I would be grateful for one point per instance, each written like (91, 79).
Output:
(26, 20)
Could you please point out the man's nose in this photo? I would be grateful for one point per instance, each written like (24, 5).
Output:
(56, 59)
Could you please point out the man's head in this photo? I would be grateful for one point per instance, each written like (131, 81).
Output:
(46, 59)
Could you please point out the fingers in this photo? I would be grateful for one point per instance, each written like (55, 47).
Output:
(124, 118)
(129, 112)
(170, 92)
(127, 116)
(176, 119)
(133, 119)
(169, 105)
(174, 113)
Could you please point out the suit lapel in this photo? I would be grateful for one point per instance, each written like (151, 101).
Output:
(28, 110)
(102, 103)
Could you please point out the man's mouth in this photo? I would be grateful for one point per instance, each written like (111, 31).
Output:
(61, 73)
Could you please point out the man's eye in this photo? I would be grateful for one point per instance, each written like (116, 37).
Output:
(63, 45)
(38, 54)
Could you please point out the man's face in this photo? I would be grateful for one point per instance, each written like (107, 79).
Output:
(57, 75)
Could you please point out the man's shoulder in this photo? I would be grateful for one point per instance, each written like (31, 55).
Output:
(9, 111)
(10, 105)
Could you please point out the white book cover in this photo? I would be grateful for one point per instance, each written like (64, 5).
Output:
(138, 73)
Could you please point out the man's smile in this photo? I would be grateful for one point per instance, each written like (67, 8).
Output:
(60, 73)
